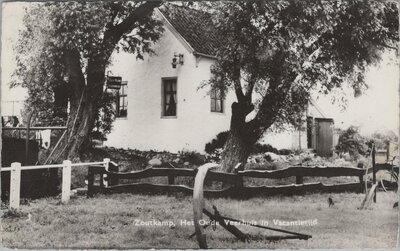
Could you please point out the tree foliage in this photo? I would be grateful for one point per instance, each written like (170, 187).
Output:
(52, 29)
(275, 52)
(350, 141)
(71, 43)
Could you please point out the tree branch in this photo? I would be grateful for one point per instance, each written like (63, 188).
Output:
(389, 47)
(128, 24)
(113, 34)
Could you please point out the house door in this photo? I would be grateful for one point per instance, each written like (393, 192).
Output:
(324, 137)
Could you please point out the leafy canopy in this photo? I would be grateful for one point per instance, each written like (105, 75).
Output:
(53, 29)
(274, 53)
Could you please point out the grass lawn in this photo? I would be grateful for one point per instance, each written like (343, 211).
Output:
(108, 221)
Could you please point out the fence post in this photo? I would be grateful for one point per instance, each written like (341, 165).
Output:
(90, 182)
(113, 167)
(66, 182)
(373, 170)
(15, 185)
(239, 179)
(106, 167)
(171, 178)
(299, 179)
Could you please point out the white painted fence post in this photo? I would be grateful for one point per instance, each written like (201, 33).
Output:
(106, 166)
(66, 182)
(15, 185)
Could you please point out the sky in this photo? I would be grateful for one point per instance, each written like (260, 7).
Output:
(377, 109)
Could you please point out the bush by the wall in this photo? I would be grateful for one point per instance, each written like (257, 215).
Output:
(284, 151)
(262, 148)
(352, 142)
(218, 142)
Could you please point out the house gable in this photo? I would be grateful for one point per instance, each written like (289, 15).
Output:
(149, 124)
(193, 28)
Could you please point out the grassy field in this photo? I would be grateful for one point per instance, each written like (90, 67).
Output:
(109, 221)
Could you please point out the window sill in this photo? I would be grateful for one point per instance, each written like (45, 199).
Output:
(221, 113)
(169, 117)
(121, 118)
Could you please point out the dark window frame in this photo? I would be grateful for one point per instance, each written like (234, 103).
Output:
(169, 86)
(216, 98)
(122, 96)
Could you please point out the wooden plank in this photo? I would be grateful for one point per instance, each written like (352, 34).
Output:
(384, 166)
(113, 167)
(36, 128)
(171, 177)
(172, 172)
(55, 166)
(246, 192)
(66, 182)
(90, 178)
(153, 172)
(148, 188)
(231, 177)
(299, 179)
(373, 171)
(239, 177)
(15, 185)
(305, 171)
(104, 177)
(295, 189)
(367, 200)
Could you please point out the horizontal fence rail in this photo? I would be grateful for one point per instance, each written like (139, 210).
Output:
(235, 179)
(35, 128)
(222, 176)
(15, 177)
(244, 192)
(53, 166)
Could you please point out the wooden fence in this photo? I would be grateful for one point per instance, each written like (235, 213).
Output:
(15, 178)
(235, 180)
(109, 180)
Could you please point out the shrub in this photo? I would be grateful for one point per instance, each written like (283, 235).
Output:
(193, 157)
(285, 151)
(262, 148)
(217, 142)
(352, 142)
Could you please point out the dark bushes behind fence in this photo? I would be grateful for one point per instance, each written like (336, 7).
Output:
(221, 138)
(34, 183)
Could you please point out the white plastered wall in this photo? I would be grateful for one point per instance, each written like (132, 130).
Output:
(145, 128)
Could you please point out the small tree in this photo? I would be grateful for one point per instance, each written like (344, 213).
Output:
(71, 43)
(352, 142)
(275, 53)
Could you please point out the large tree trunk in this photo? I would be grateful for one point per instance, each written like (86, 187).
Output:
(84, 105)
(236, 150)
(80, 126)
(241, 138)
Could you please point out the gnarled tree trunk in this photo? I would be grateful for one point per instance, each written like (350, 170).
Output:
(84, 104)
(241, 138)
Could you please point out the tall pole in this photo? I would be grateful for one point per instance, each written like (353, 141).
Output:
(27, 138)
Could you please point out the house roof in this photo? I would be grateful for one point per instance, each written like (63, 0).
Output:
(194, 26)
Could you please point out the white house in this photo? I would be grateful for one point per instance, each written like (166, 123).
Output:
(160, 106)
